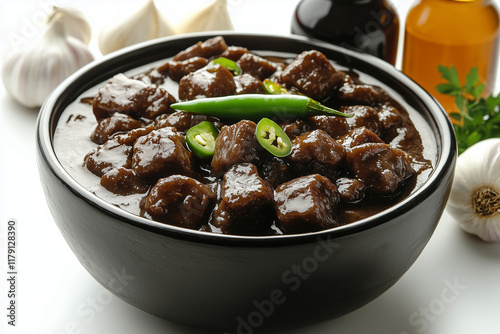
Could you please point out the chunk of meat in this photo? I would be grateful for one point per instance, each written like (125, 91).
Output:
(246, 201)
(179, 200)
(316, 152)
(210, 48)
(306, 204)
(151, 77)
(313, 74)
(350, 190)
(364, 116)
(257, 66)
(210, 81)
(178, 69)
(181, 120)
(332, 125)
(123, 181)
(380, 167)
(353, 93)
(111, 154)
(235, 144)
(359, 136)
(234, 52)
(161, 153)
(275, 171)
(295, 128)
(111, 125)
(130, 137)
(131, 97)
(390, 121)
(248, 84)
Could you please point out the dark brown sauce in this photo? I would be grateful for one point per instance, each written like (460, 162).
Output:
(79, 124)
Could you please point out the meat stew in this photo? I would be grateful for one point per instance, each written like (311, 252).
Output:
(340, 170)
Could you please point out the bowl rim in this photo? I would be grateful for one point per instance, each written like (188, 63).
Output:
(442, 124)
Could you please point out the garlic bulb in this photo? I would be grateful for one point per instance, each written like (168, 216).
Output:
(145, 24)
(75, 23)
(475, 196)
(30, 75)
(213, 17)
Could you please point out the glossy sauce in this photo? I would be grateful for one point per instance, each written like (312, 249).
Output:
(72, 143)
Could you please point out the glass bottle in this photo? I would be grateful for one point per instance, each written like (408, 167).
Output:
(462, 33)
(371, 26)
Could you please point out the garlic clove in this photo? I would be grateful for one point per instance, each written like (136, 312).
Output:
(74, 21)
(145, 24)
(30, 75)
(213, 17)
(475, 196)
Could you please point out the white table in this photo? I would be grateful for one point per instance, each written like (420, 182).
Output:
(454, 287)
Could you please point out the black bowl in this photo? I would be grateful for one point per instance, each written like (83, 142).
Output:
(238, 283)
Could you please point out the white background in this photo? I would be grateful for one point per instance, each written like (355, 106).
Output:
(56, 295)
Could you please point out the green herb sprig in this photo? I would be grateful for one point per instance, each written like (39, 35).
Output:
(478, 118)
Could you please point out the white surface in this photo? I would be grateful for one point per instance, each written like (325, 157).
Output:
(56, 295)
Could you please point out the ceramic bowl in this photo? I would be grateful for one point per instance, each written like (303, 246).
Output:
(238, 283)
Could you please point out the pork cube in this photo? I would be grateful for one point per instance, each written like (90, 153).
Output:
(111, 154)
(109, 126)
(246, 201)
(332, 125)
(306, 204)
(181, 120)
(359, 136)
(380, 167)
(313, 74)
(234, 52)
(131, 97)
(389, 119)
(130, 137)
(248, 84)
(350, 190)
(257, 66)
(274, 170)
(179, 200)
(363, 116)
(316, 152)
(356, 93)
(210, 48)
(295, 128)
(178, 69)
(235, 144)
(210, 81)
(161, 153)
(123, 181)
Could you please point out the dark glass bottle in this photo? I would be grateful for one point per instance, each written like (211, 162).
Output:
(370, 26)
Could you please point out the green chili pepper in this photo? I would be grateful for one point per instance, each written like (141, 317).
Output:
(229, 64)
(272, 87)
(271, 137)
(201, 139)
(257, 106)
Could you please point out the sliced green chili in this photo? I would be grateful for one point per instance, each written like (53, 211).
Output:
(201, 139)
(229, 64)
(272, 87)
(257, 106)
(271, 137)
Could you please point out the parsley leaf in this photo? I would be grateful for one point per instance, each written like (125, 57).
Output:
(478, 118)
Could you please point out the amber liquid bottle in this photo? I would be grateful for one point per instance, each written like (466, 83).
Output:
(370, 26)
(462, 33)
